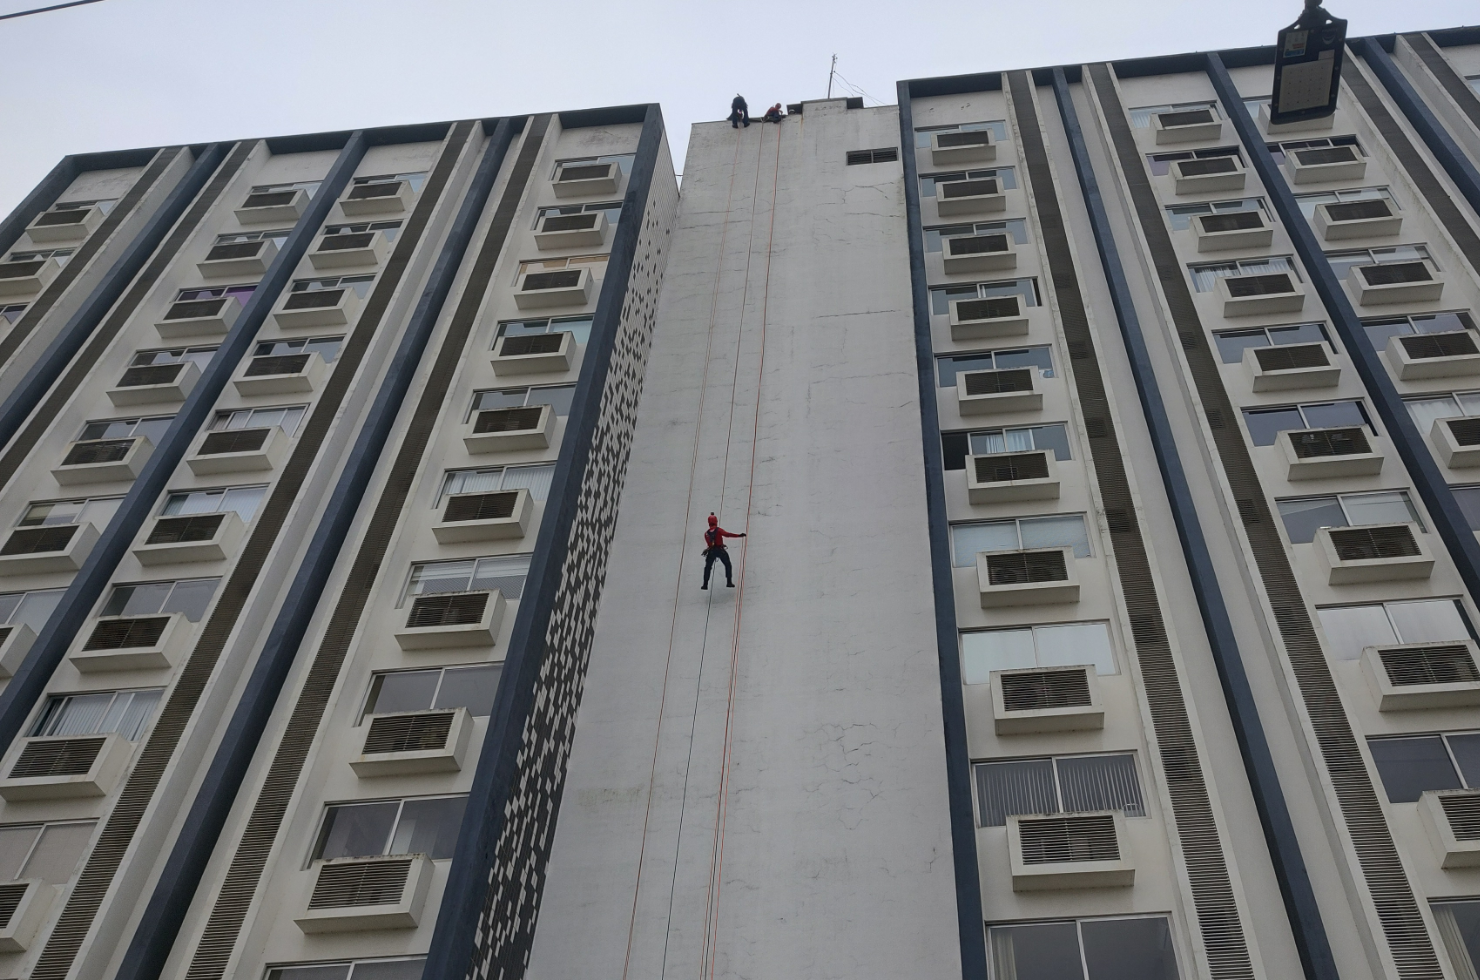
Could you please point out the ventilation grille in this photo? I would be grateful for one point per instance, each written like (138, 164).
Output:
(1291, 357)
(340, 243)
(1239, 221)
(1003, 469)
(570, 222)
(1395, 273)
(993, 308)
(564, 279)
(1193, 117)
(1208, 167)
(1061, 840)
(594, 171)
(39, 540)
(151, 374)
(127, 634)
(1318, 443)
(274, 199)
(233, 441)
(274, 364)
(423, 732)
(184, 530)
(508, 419)
(978, 245)
(481, 506)
(1373, 543)
(1466, 432)
(966, 188)
(360, 883)
(1043, 689)
(1027, 568)
(1241, 287)
(539, 343)
(194, 309)
(57, 757)
(1329, 155)
(97, 451)
(10, 900)
(1442, 663)
(1463, 813)
(447, 609)
(999, 382)
(1359, 211)
(52, 219)
(948, 140)
(1424, 346)
(314, 299)
(5, 632)
(20, 270)
(369, 192)
(235, 250)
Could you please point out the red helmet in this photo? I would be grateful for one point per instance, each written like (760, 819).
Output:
(713, 521)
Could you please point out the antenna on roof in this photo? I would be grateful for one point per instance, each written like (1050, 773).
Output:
(1307, 66)
(831, 72)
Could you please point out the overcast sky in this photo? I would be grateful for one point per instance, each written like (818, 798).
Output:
(129, 73)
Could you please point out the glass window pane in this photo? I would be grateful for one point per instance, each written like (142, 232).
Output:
(1408, 766)
(79, 715)
(99, 512)
(1333, 415)
(1233, 343)
(1299, 333)
(429, 827)
(440, 576)
(403, 690)
(15, 845)
(558, 398)
(8, 605)
(35, 608)
(506, 574)
(131, 713)
(1055, 437)
(536, 479)
(1128, 949)
(183, 504)
(1056, 532)
(982, 653)
(1038, 357)
(1428, 619)
(1459, 924)
(578, 327)
(1006, 788)
(154, 429)
(487, 401)
(1304, 517)
(1040, 951)
(473, 481)
(1424, 411)
(191, 598)
(987, 443)
(1100, 782)
(1469, 402)
(1076, 643)
(137, 600)
(968, 539)
(1466, 752)
(1390, 507)
(58, 852)
(1469, 502)
(244, 501)
(360, 830)
(1265, 426)
(1384, 330)
(470, 687)
(390, 970)
(1351, 628)
(951, 366)
(1441, 322)
(338, 971)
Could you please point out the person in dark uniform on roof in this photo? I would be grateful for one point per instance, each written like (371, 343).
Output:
(739, 112)
(714, 549)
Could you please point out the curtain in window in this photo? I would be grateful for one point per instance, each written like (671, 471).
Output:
(505, 574)
(1100, 782)
(968, 539)
(536, 479)
(1015, 787)
(474, 481)
(1351, 628)
(1040, 951)
(1459, 926)
(1076, 643)
(1428, 619)
(982, 653)
(1056, 532)
(57, 852)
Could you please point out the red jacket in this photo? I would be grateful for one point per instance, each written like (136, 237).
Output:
(715, 537)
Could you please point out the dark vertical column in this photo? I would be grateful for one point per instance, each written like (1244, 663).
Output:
(1444, 73)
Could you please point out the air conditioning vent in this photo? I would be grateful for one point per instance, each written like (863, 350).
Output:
(1009, 578)
(1003, 477)
(1036, 700)
(585, 179)
(197, 537)
(452, 619)
(281, 374)
(154, 384)
(273, 199)
(1236, 229)
(317, 308)
(15, 643)
(1010, 468)
(1291, 357)
(380, 198)
(1415, 676)
(481, 506)
(10, 901)
(370, 192)
(195, 309)
(533, 353)
(1325, 164)
(151, 374)
(1208, 175)
(354, 249)
(1359, 211)
(239, 259)
(1237, 221)
(1374, 553)
(418, 732)
(316, 299)
(1042, 689)
(1466, 431)
(352, 894)
(1357, 219)
(563, 287)
(1452, 819)
(234, 441)
(23, 911)
(988, 319)
(239, 451)
(70, 225)
(1320, 443)
(39, 540)
(571, 222)
(64, 768)
(1208, 167)
(976, 146)
(505, 429)
(1071, 850)
(988, 392)
(1186, 126)
(508, 419)
(119, 634)
(1024, 567)
(1428, 345)
(979, 253)
(414, 742)
(363, 883)
(1318, 453)
(547, 343)
(103, 461)
(56, 757)
(21, 279)
(1463, 814)
(999, 382)
(571, 230)
(199, 319)
(1276, 292)
(1457, 441)
(1292, 366)
(452, 609)
(1396, 282)
(177, 530)
(1325, 157)
(485, 516)
(1243, 286)
(1421, 356)
(58, 548)
(552, 280)
(276, 207)
(966, 197)
(1368, 543)
(97, 451)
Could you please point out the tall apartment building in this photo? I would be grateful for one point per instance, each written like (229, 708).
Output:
(1105, 610)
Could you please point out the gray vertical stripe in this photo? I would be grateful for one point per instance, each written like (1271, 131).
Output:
(1445, 74)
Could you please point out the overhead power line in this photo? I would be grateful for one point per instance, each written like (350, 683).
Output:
(42, 10)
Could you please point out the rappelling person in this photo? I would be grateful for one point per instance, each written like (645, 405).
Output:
(774, 114)
(714, 548)
(739, 113)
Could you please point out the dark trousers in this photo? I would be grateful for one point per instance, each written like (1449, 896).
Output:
(738, 116)
(723, 554)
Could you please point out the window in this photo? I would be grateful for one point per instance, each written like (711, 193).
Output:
(1016, 227)
(1303, 516)
(1459, 922)
(613, 211)
(387, 228)
(1278, 150)
(1141, 118)
(504, 572)
(1253, 104)
(437, 688)
(12, 312)
(1468, 499)
(580, 326)
(276, 237)
(97, 511)
(1350, 629)
(30, 608)
(1038, 646)
(885, 154)
(199, 356)
(103, 206)
(1205, 275)
(1426, 409)
(535, 479)
(1380, 330)
(596, 263)
(360, 284)
(152, 428)
(242, 293)
(243, 500)
(1019, 357)
(187, 596)
(956, 445)
(309, 187)
(1474, 82)
(1411, 765)
(1065, 784)
(1309, 202)
(1006, 179)
(1233, 343)
(558, 397)
(1161, 163)
(99, 713)
(1137, 948)
(398, 969)
(622, 160)
(286, 418)
(414, 179)
(1266, 424)
(417, 826)
(997, 127)
(1057, 531)
(46, 852)
(941, 296)
(328, 347)
(1181, 215)
(60, 254)
(1343, 262)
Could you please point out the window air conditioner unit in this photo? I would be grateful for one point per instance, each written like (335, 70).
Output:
(71, 225)
(1288, 367)
(63, 768)
(317, 308)
(501, 430)
(1232, 229)
(23, 911)
(586, 179)
(1068, 850)
(238, 259)
(563, 287)
(281, 374)
(1396, 282)
(273, 207)
(967, 197)
(1005, 477)
(1027, 578)
(1326, 163)
(948, 149)
(539, 353)
(979, 253)
(132, 643)
(1374, 553)
(354, 250)
(1186, 126)
(15, 643)
(1034, 700)
(1273, 292)
(988, 319)
(452, 619)
(1457, 441)
(1414, 676)
(21, 279)
(103, 461)
(370, 200)
(571, 230)
(239, 451)
(1300, 125)
(409, 743)
(154, 384)
(58, 548)
(190, 538)
(1314, 454)
(1357, 219)
(1207, 175)
(1417, 356)
(360, 894)
(199, 319)
(1452, 818)
(501, 515)
(991, 392)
